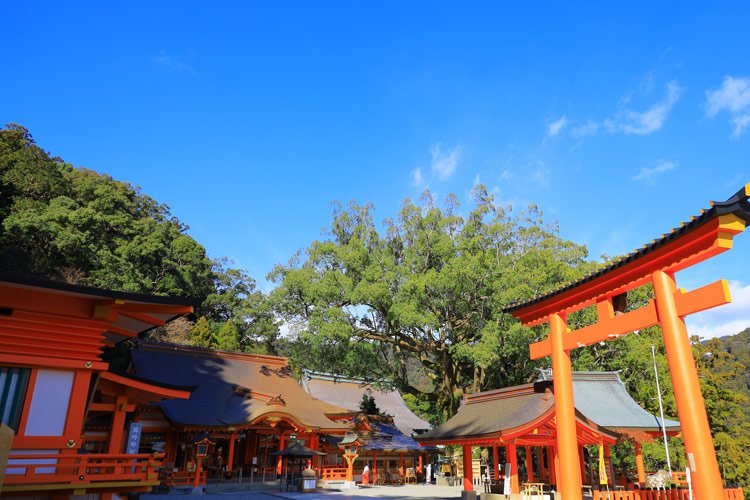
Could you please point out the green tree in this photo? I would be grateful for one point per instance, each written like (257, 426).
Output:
(368, 405)
(429, 290)
(228, 337)
(235, 298)
(83, 227)
(202, 334)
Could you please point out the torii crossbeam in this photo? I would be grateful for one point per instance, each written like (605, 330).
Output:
(703, 237)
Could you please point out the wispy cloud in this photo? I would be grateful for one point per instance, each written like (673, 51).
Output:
(734, 97)
(631, 122)
(725, 320)
(590, 127)
(647, 174)
(417, 179)
(556, 127)
(444, 163)
(651, 120)
(164, 59)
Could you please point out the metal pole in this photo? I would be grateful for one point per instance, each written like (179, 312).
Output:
(661, 411)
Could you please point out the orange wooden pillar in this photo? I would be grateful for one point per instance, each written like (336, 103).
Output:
(116, 433)
(283, 440)
(569, 475)
(401, 468)
(496, 462)
(551, 464)
(230, 452)
(420, 463)
(540, 458)
(529, 465)
(315, 445)
(468, 472)
(512, 458)
(639, 465)
(374, 468)
(691, 408)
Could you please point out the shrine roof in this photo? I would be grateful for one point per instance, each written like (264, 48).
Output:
(488, 414)
(603, 398)
(43, 318)
(737, 206)
(600, 398)
(232, 389)
(347, 393)
(375, 433)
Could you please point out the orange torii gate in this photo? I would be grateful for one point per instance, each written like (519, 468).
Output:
(703, 237)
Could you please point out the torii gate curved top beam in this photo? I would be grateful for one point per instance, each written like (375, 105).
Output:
(701, 238)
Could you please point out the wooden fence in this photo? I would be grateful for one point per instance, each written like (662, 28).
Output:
(41, 468)
(671, 494)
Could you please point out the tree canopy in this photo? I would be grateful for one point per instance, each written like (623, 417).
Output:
(78, 226)
(421, 298)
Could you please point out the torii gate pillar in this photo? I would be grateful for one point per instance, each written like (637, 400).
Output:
(569, 475)
(687, 392)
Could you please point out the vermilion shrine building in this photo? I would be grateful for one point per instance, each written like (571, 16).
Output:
(94, 410)
(523, 418)
(54, 380)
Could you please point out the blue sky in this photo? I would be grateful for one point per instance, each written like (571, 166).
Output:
(248, 119)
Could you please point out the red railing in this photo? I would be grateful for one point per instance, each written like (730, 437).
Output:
(672, 494)
(332, 473)
(44, 468)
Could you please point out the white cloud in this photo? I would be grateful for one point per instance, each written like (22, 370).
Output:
(734, 97)
(444, 163)
(724, 320)
(477, 180)
(556, 127)
(589, 128)
(647, 173)
(634, 122)
(651, 120)
(163, 59)
(417, 179)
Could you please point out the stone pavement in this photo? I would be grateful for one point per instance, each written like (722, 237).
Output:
(391, 492)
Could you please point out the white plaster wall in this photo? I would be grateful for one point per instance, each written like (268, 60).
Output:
(49, 404)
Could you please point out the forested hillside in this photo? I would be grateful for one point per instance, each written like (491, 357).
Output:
(78, 226)
(414, 301)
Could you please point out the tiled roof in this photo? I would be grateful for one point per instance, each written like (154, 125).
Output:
(233, 389)
(374, 433)
(602, 398)
(489, 413)
(347, 393)
(737, 205)
(599, 397)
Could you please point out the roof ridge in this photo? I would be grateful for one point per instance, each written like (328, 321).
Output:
(737, 204)
(208, 352)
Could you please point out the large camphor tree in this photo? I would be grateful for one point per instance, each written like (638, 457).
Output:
(418, 300)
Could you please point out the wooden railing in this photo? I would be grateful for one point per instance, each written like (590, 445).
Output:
(670, 494)
(332, 473)
(47, 468)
